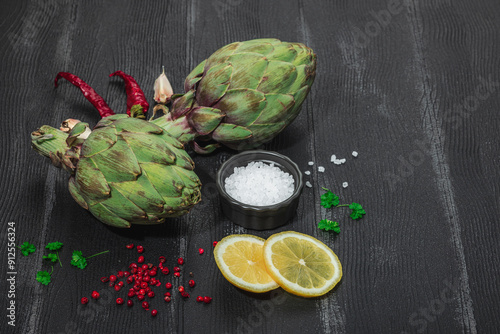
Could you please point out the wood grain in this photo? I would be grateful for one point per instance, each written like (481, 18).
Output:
(413, 88)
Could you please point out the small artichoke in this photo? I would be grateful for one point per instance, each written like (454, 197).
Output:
(127, 171)
(243, 95)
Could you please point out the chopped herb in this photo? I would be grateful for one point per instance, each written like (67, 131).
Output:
(27, 248)
(329, 225)
(52, 257)
(329, 199)
(357, 211)
(53, 246)
(44, 277)
(80, 261)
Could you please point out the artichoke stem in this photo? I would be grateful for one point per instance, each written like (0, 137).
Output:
(178, 128)
(51, 143)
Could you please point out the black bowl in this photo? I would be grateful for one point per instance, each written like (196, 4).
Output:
(259, 217)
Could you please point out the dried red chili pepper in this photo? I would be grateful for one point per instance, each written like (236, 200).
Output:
(89, 93)
(135, 95)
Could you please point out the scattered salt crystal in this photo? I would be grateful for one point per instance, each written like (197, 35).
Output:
(344, 184)
(310, 163)
(354, 154)
(337, 162)
(342, 161)
(307, 172)
(333, 158)
(321, 169)
(308, 184)
(259, 184)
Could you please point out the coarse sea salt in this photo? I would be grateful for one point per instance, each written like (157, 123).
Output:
(259, 184)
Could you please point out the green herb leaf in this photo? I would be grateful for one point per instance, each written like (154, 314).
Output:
(27, 248)
(52, 257)
(53, 246)
(329, 225)
(357, 211)
(78, 260)
(44, 277)
(329, 199)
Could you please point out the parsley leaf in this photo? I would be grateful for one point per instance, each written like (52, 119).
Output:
(357, 211)
(52, 257)
(78, 260)
(329, 199)
(27, 248)
(44, 277)
(53, 246)
(329, 225)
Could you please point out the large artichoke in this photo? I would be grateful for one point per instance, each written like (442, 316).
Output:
(243, 95)
(128, 171)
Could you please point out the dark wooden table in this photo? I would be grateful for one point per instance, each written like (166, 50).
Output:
(412, 86)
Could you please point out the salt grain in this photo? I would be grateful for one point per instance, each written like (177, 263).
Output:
(308, 184)
(333, 158)
(345, 184)
(321, 169)
(354, 154)
(259, 184)
(307, 172)
(310, 163)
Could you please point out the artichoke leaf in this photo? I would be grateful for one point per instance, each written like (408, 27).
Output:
(100, 140)
(266, 132)
(75, 193)
(91, 182)
(107, 217)
(142, 193)
(248, 69)
(148, 147)
(214, 84)
(164, 179)
(242, 106)
(299, 97)
(120, 163)
(278, 77)
(194, 76)
(229, 132)
(207, 149)
(205, 119)
(136, 126)
(182, 105)
(123, 207)
(283, 52)
(277, 108)
(220, 56)
(262, 48)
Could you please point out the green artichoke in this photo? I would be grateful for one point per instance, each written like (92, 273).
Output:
(243, 95)
(127, 171)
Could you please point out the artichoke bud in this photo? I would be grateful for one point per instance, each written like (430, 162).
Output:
(163, 89)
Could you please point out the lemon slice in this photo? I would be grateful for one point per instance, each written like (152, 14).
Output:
(240, 259)
(301, 264)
